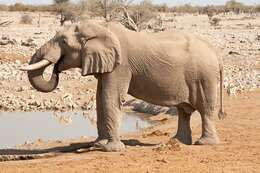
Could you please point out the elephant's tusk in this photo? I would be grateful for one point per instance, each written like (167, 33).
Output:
(40, 64)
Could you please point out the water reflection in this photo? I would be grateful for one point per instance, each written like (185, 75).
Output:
(18, 127)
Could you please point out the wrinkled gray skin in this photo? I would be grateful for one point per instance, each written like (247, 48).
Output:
(167, 69)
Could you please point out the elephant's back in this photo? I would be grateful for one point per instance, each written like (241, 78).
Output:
(198, 59)
(173, 36)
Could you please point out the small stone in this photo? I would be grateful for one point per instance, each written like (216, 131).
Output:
(32, 96)
(20, 89)
(18, 62)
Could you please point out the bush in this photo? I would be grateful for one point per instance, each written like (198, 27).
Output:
(18, 7)
(257, 9)
(142, 13)
(236, 7)
(26, 19)
(94, 7)
(68, 15)
(215, 21)
(4, 7)
(187, 8)
(60, 1)
(31, 8)
(67, 12)
(162, 8)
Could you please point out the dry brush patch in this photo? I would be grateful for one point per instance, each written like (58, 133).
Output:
(26, 19)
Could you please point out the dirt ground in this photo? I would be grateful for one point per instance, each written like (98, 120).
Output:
(150, 150)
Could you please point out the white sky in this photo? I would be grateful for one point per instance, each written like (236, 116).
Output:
(170, 2)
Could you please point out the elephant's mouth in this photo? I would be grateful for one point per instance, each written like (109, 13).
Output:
(57, 68)
(35, 71)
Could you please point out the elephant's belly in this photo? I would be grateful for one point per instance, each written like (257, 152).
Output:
(163, 91)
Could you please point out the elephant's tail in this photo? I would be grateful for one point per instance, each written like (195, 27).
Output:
(221, 113)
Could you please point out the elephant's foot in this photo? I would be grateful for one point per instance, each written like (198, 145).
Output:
(98, 143)
(113, 146)
(185, 139)
(211, 140)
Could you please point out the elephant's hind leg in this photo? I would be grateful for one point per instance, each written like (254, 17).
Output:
(209, 135)
(184, 131)
(206, 109)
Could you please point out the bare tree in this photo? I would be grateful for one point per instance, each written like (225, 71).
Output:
(142, 13)
(111, 10)
(132, 16)
(67, 11)
(105, 9)
(111, 5)
(121, 15)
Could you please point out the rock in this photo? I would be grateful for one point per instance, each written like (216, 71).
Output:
(20, 89)
(18, 62)
(157, 133)
(215, 21)
(258, 37)
(144, 107)
(173, 145)
(233, 53)
(6, 40)
(29, 43)
(32, 96)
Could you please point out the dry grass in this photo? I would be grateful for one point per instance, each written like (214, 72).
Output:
(26, 19)
(4, 7)
(31, 8)
(257, 8)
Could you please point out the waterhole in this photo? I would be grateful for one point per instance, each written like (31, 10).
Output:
(16, 128)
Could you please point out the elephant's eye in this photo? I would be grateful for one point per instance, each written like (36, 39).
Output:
(64, 41)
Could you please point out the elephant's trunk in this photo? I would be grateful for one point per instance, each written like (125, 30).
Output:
(36, 76)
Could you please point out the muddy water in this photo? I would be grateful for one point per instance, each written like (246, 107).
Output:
(18, 127)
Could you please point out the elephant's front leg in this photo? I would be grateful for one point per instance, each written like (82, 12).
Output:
(102, 137)
(109, 112)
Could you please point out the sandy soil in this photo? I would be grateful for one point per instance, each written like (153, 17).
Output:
(151, 151)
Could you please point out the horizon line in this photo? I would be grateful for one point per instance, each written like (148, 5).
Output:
(135, 2)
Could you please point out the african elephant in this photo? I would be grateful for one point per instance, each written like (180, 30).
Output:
(168, 69)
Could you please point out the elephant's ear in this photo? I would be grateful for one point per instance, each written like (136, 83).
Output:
(101, 51)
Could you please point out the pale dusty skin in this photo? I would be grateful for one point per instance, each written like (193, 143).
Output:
(167, 69)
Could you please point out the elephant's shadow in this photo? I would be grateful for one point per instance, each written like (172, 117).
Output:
(28, 154)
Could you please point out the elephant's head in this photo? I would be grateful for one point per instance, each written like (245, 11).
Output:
(89, 46)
